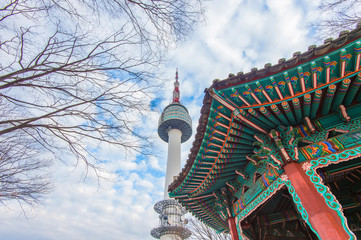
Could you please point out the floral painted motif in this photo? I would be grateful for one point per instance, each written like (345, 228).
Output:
(294, 81)
(258, 91)
(269, 89)
(333, 66)
(221, 108)
(234, 95)
(321, 149)
(281, 85)
(319, 71)
(306, 76)
(346, 58)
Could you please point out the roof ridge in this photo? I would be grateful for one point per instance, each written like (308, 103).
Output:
(313, 51)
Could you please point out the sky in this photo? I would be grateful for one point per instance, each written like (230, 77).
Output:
(236, 36)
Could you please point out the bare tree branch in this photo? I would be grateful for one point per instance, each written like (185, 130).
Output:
(337, 16)
(22, 177)
(76, 74)
(201, 231)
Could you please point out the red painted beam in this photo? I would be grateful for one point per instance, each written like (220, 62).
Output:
(322, 218)
(233, 228)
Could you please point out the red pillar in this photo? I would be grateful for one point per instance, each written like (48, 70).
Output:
(233, 228)
(322, 218)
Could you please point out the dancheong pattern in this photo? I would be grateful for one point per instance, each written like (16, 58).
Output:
(304, 109)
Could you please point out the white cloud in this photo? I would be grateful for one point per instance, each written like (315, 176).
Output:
(154, 163)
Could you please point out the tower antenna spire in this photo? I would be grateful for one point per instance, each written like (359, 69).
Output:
(176, 93)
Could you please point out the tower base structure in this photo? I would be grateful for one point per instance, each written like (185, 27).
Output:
(172, 222)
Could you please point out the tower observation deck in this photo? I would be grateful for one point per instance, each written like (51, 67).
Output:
(175, 116)
(174, 127)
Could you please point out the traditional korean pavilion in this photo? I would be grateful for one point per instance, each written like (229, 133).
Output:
(277, 150)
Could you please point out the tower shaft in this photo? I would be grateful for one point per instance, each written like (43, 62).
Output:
(173, 159)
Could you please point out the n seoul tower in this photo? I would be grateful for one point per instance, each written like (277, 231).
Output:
(174, 127)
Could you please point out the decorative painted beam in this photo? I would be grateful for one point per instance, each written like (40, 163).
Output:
(241, 173)
(236, 93)
(316, 103)
(226, 175)
(225, 97)
(252, 118)
(233, 186)
(328, 99)
(236, 151)
(218, 123)
(344, 114)
(243, 128)
(234, 155)
(263, 91)
(196, 179)
(278, 113)
(297, 109)
(249, 89)
(219, 99)
(240, 140)
(302, 80)
(216, 111)
(231, 164)
(251, 159)
(314, 70)
(357, 51)
(213, 131)
(270, 116)
(224, 171)
(310, 125)
(238, 115)
(208, 149)
(275, 86)
(264, 120)
(236, 146)
(343, 58)
(206, 163)
(217, 139)
(214, 145)
(340, 94)
(241, 134)
(327, 64)
(353, 89)
(201, 174)
(289, 85)
(307, 105)
(288, 112)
